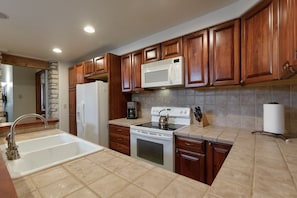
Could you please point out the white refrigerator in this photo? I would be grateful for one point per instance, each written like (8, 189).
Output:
(92, 112)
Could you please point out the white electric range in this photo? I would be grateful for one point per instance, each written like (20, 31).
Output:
(153, 142)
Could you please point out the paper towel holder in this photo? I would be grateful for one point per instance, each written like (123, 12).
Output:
(277, 135)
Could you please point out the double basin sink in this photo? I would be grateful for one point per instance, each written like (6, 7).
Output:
(40, 153)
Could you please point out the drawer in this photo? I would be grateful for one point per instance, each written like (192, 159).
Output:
(190, 144)
(121, 139)
(119, 147)
(119, 130)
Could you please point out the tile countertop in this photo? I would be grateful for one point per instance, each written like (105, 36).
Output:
(257, 166)
(127, 122)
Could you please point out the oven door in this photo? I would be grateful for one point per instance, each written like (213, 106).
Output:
(154, 148)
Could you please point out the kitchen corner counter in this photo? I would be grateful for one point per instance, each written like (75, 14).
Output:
(127, 122)
(257, 166)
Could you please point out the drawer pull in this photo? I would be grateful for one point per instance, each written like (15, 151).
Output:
(120, 139)
(188, 144)
(119, 130)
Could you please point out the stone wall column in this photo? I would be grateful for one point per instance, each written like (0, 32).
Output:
(53, 90)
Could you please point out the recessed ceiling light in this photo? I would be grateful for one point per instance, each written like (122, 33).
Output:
(89, 29)
(57, 50)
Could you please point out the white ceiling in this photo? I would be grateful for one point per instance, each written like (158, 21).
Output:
(34, 27)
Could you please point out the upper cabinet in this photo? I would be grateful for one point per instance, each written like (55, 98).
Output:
(72, 77)
(80, 77)
(100, 65)
(88, 67)
(287, 35)
(172, 48)
(131, 71)
(152, 53)
(196, 59)
(126, 68)
(259, 43)
(224, 53)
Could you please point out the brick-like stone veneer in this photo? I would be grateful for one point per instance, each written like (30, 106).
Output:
(229, 106)
(53, 92)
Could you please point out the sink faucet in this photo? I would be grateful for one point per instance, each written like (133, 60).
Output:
(12, 149)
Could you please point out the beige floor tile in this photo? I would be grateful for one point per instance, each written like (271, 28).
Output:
(234, 176)
(86, 170)
(108, 185)
(24, 185)
(131, 172)
(33, 194)
(115, 164)
(49, 176)
(292, 162)
(132, 191)
(178, 189)
(153, 182)
(100, 157)
(272, 174)
(230, 190)
(273, 188)
(61, 188)
(82, 193)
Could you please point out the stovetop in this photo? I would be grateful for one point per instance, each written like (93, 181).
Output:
(156, 125)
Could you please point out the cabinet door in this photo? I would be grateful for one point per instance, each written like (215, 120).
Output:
(136, 70)
(72, 111)
(172, 48)
(119, 138)
(190, 164)
(152, 53)
(216, 154)
(224, 53)
(196, 59)
(88, 68)
(80, 77)
(126, 67)
(100, 65)
(259, 43)
(287, 35)
(72, 77)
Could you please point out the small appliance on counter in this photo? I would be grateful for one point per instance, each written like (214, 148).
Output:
(132, 110)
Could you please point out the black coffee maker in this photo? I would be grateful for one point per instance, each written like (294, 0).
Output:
(131, 110)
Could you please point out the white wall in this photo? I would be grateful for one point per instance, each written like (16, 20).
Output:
(63, 96)
(24, 93)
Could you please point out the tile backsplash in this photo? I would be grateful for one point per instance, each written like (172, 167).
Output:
(229, 106)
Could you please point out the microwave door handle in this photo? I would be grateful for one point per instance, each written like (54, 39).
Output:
(170, 73)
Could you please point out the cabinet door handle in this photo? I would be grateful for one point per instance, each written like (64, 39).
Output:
(188, 144)
(209, 143)
(119, 139)
(119, 130)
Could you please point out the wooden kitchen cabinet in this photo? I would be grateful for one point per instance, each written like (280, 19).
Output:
(216, 153)
(152, 53)
(287, 36)
(196, 59)
(88, 68)
(100, 64)
(119, 138)
(80, 77)
(190, 158)
(126, 69)
(224, 53)
(72, 77)
(172, 48)
(131, 71)
(259, 43)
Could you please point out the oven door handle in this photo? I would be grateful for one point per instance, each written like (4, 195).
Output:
(152, 136)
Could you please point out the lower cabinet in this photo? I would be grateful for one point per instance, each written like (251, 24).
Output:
(199, 159)
(216, 155)
(119, 138)
(190, 158)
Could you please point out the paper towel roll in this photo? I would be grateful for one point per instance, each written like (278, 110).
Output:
(274, 118)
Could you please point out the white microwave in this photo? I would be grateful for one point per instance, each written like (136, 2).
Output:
(164, 73)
